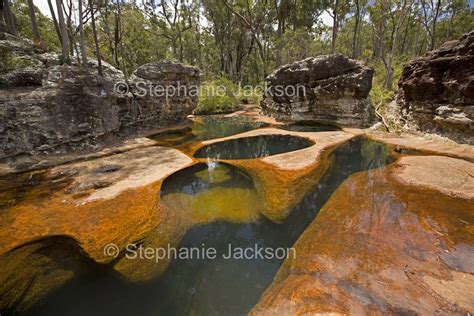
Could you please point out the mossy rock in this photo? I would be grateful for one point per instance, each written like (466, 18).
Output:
(5, 57)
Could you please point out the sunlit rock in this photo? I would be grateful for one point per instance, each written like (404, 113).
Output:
(449, 176)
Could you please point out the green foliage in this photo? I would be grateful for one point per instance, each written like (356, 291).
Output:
(251, 94)
(141, 40)
(217, 96)
(5, 60)
(45, 24)
(379, 94)
(247, 40)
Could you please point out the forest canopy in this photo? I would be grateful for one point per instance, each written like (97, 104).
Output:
(242, 41)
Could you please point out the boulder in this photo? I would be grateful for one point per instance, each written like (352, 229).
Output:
(436, 91)
(48, 108)
(164, 91)
(328, 89)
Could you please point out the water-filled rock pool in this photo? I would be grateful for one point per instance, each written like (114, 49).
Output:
(204, 238)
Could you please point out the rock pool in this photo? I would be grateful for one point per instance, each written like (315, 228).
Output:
(58, 262)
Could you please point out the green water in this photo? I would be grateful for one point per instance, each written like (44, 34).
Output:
(213, 191)
(204, 287)
(207, 127)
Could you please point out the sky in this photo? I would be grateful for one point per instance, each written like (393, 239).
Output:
(43, 6)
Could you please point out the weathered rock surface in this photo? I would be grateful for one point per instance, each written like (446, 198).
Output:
(380, 247)
(50, 108)
(107, 177)
(23, 281)
(447, 175)
(329, 89)
(425, 144)
(111, 199)
(437, 90)
(171, 104)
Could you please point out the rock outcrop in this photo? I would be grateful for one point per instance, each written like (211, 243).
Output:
(328, 89)
(48, 108)
(164, 92)
(437, 90)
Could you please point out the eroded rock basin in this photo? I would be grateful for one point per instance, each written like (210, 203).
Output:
(54, 230)
(253, 147)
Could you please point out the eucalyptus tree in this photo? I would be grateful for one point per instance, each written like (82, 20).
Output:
(3, 27)
(431, 11)
(63, 33)
(55, 20)
(96, 40)
(34, 24)
(82, 43)
(8, 15)
(173, 18)
(337, 10)
(257, 17)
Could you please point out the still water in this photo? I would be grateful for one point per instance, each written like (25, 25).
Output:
(217, 286)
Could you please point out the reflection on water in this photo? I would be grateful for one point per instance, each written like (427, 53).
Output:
(309, 126)
(32, 269)
(253, 147)
(36, 185)
(205, 128)
(219, 286)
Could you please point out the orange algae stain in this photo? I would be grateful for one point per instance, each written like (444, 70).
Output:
(371, 246)
(280, 190)
(127, 217)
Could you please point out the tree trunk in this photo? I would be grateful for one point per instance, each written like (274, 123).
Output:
(3, 27)
(433, 32)
(81, 37)
(96, 41)
(181, 54)
(450, 24)
(174, 48)
(334, 26)
(63, 31)
(69, 27)
(395, 33)
(55, 21)
(417, 40)
(34, 25)
(7, 12)
(355, 53)
(117, 35)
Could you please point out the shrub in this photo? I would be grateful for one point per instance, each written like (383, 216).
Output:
(217, 96)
